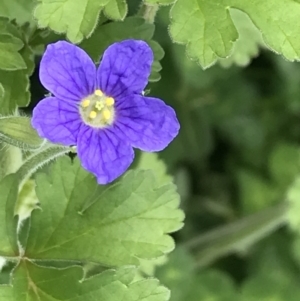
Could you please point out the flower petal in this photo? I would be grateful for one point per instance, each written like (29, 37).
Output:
(146, 122)
(103, 153)
(56, 120)
(67, 71)
(125, 68)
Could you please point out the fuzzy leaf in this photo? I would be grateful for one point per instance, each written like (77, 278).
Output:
(248, 43)
(14, 84)
(36, 283)
(13, 96)
(209, 33)
(10, 58)
(125, 222)
(130, 28)
(8, 197)
(116, 9)
(77, 19)
(152, 161)
(160, 2)
(17, 131)
(19, 10)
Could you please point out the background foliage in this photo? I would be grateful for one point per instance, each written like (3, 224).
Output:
(229, 69)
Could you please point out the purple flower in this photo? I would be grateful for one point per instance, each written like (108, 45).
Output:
(102, 110)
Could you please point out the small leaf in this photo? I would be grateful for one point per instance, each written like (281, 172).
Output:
(76, 19)
(10, 159)
(10, 58)
(282, 163)
(293, 197)
(8, 196)
(204, 287)
(248, 43)
(130, 28)
(256, 192)
(160, 2)
(16, 91)
(14, 85)
(127, 221)
(116, 9)
(178, 274)
(19, 10)
(17, 131)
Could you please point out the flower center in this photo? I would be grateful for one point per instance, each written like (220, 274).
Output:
(97, 110)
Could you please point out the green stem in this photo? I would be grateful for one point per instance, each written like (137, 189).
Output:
(148, 12)
(237, 236)
(37, 160)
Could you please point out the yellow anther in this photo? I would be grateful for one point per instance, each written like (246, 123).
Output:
(98, 92)
(109, 101)
(106, 114)
(85, 103)
(99, 105)
(93, 115)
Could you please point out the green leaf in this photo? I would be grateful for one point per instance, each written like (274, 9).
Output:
(15, 91)
(127, 221)
(77, 19)
(36, 283)
(8, 196)
(256, 193)
(152, 161)
(293, 197)
(17, 131)
(116, 9)
(12, 96)
(248, 43)
(39, 159)
(10, 58)
(204, 287)
(10, 159)
(209, 33)
(206, 28)
(130, 28)
(160, 2)
(283, 163)
(267, 287)
(6, 269)
(19, 10)
(178, 274)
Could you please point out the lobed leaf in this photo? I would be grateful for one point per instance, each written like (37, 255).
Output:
(35, 283)
(130, 28)
(208, 31)
(14, 81)
(126, 221)
(10, 58)
(116, 9)
(77, 19)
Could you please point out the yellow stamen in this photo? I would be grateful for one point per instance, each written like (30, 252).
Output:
(99, 105)
(98, 92)
(93, 115)
(85, 103)
(109, 101)
(106, 114)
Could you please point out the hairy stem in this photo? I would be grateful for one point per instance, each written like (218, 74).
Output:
(37, 160)
(237, 236)
(148, 12)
